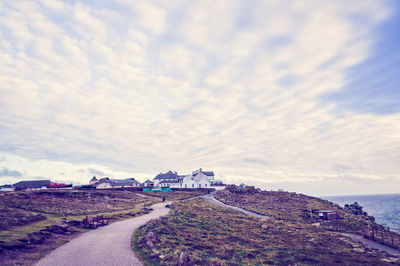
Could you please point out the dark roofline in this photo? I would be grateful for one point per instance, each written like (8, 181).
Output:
(32, 184)
(208, 173)
(167, 175)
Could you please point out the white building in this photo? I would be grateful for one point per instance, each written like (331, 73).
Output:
(169, 179)
(200, 179)
(197, 179)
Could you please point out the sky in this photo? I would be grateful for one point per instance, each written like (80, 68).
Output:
(296, 95)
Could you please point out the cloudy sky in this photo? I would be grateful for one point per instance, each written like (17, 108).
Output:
(299, 95)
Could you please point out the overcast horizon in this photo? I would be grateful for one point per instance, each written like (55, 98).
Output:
(296, 95)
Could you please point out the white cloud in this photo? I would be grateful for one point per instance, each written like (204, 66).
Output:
(229, 86)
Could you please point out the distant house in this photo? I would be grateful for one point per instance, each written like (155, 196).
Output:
(148, 183)
(326, 214)
(117, 183)
(169, 179)
(6, 188)
(32, 185)
(197, 179)
(129, 182)
(93, 181)
(200, 179)
(103, 185)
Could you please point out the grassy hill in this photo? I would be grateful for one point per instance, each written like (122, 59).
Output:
(199, 233)
(32, 223)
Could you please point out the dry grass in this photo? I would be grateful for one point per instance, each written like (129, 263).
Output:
(293, 207)
(25, 234)
(214, 235)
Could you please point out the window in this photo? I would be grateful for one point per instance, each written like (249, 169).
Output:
(206, 185)
(192, 185)
(199, 185)
(185, 185)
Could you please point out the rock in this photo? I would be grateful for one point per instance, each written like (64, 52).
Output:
(155, 251)
(184, 259)
(150, 244)
(264, 226)
(151, 236)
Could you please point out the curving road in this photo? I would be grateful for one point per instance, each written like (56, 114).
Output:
(108, 245)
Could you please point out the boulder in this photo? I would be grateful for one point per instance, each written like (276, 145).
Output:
(184, 259)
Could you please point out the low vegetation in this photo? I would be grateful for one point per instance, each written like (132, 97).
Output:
(294, 207)
(200, 233)
(32, 223)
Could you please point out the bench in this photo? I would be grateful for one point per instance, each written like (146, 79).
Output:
(101, 221)
(90, 222)
(93, 222)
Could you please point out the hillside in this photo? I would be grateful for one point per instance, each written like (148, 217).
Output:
(199, 233)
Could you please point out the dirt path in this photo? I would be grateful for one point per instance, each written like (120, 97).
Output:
(373, 244)
(210, 198)
(108, 245)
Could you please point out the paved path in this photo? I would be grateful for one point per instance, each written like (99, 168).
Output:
(210, 198)
(373, 244)
(108, 245)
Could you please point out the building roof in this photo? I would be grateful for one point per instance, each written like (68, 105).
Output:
(93, 179)
(32, 184)
(208, 173)
(128, 180)
(119, 182)
(147, 181)
(168, 175)
(6, 186)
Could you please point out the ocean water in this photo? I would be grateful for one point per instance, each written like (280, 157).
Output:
(385, 208)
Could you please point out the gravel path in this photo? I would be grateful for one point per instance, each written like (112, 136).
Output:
(373, 244)
(108, 245)
(210, 198)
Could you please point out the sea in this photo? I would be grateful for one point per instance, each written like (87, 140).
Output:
(385, 208)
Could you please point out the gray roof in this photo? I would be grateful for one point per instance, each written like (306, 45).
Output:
(168, 175)
(128, 180)
(32, 184)
(119, 182)
(208, 173)
(6, 186)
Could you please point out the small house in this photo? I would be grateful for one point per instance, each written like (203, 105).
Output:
(148, 183)
(32, 185)
(6, 188)
(93, 181)
(327, 215)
